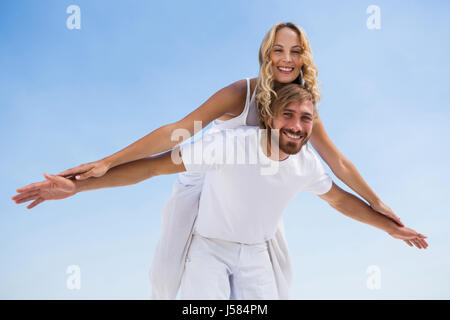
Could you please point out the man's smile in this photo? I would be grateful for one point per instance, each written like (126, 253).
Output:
(292, 136)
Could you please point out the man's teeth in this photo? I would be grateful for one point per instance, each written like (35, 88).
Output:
(293, 136)
(285, 69)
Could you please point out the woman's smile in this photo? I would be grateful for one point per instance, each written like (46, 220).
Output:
(285, 70)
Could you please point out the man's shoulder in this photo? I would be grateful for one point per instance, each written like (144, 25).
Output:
(307, 160)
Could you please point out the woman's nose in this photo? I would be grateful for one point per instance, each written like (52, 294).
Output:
(287, 57)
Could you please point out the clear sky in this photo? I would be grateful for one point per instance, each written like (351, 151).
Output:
(68, 97)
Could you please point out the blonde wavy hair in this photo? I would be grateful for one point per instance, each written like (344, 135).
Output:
(265, 83)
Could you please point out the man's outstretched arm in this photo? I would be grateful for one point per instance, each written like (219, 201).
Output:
(355, 208)
(57, 188)
(134, 172)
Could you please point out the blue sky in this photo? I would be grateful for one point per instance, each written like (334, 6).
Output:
(72, 96)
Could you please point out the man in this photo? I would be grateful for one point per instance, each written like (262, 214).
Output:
(252, 175)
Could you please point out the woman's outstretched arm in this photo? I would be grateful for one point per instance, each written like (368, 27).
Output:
(227, 101)
(345, 170)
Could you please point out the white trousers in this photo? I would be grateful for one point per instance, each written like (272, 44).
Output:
(222, 270)
(178, 219)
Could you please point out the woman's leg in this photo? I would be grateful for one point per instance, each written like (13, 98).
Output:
(281, 262)
(178, 219)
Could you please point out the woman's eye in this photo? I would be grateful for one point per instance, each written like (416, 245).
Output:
(296, 52)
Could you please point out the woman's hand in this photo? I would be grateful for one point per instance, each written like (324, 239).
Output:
(409, 236)
(54, 188)
(82, 172)
(380, 207)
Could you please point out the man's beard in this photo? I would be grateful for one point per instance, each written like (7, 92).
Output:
(280, 141)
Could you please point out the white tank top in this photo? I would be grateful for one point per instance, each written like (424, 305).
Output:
(248, 116)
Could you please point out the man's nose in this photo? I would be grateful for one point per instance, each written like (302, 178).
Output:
(295, 125)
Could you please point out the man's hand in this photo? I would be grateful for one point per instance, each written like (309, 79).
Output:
(409, 236)
(54, 188)
(57, 187)
(355, 208)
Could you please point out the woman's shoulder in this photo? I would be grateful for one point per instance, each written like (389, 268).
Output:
(240, 86)
(237, 93)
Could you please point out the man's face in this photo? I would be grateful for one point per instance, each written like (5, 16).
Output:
(294, 124)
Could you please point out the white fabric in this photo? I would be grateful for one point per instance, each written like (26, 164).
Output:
(217, 269)
(243, 201)
(178, 219)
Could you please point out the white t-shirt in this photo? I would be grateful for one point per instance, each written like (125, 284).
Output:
(245, 193)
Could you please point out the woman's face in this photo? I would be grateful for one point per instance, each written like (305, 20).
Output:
(285, 55)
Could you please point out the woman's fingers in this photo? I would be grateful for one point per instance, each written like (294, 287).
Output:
(59, 182)
(71, 171)
(53, 178)
(76, 170)
(398, 221)
(384, 209)
(85, 175)
(67, 176)
(87, 170)
(35, 203)
(81, 174)
(390, 214)
(408, 243)
(394, 218)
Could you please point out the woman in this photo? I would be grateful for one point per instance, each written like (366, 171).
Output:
(285, 57)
